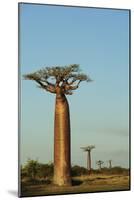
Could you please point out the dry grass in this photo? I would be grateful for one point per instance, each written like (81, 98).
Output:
(81, 184)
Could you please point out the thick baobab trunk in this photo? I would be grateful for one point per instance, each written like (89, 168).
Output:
(89, 161)
(62, 163)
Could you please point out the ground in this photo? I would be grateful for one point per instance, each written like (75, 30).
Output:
(81, 184)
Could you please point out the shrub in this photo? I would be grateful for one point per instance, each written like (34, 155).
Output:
(45, 170)
(35, 170)
(78, 171)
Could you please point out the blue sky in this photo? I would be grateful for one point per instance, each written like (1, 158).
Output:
(98, 40)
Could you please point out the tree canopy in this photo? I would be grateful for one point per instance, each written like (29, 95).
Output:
(88, 148)
(59, 79)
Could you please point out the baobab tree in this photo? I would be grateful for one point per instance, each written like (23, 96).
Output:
(110, 164)
(61, 81)
(88, 150)
(99, 163)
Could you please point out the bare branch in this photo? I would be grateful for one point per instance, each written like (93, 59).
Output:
(71, 87)
(49, 87)
(68, 92)
(48, 83)
(41, 84)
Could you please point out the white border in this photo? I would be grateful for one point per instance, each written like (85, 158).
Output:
(9, 96)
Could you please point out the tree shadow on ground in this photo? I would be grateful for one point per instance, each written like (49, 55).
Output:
(76, 182)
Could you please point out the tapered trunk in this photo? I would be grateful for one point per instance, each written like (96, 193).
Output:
(62, 142)
(89, 161)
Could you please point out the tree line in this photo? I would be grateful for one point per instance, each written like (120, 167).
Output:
(34, 170)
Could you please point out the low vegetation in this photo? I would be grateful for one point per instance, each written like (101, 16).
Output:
(37, 179)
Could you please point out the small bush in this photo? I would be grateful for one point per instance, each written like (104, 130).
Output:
(33, 170)
(78, 171)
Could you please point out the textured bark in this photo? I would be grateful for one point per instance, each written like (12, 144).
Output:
(62, 150)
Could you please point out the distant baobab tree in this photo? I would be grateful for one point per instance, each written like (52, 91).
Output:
(99, 163)
(110, 164)
(61, 81)
(88, 150)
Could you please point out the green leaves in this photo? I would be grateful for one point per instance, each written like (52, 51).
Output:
(35, 170)
(32, 76)
(31, 168)
(63, 72)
